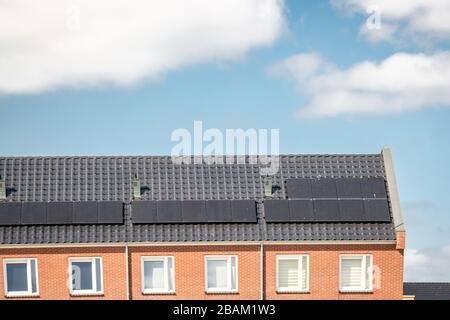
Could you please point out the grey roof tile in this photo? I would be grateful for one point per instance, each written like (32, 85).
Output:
(110, 178)
(427, 290)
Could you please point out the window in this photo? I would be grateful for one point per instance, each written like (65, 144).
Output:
(20, 277)
(356, 273)
(293, 273)
(86, 276)
(158, 275)
(221, 274)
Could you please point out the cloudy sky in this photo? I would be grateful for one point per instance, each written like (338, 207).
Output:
(339, 76)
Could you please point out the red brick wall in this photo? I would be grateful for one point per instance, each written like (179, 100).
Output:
(190, 273)
(53, 270)
(324, 271)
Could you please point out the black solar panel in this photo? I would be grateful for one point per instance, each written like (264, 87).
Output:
(10, 213)
(85, 212)
(326, 210)
(351, 210)
(377, 210)
(301, 210)
(323, 188)
(193, 211)
(110, 212)
(348, 188)
(34, 213)
(218, 210)
(60, 212)
(144, 212)
(243, 211)
(373, 188)
(277, 210)
(169, 211)
(298, 188)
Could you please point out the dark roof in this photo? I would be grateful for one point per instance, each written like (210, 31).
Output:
(427, 290)
(110, 178)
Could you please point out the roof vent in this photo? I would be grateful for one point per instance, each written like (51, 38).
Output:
(136, 188)
(2, 189)
(268, 187)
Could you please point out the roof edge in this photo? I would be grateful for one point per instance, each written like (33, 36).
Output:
(392, 189)
(197, 243)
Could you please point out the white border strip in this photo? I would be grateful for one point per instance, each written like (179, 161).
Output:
(204, 243)
(393, 190)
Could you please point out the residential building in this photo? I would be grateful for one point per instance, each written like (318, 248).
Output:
(143, 227)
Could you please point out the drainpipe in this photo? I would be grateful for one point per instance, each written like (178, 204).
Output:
(127, 271)
(261, 267)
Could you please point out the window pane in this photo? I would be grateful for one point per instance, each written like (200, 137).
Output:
(170, 272)
(368, 265)
(98, 274)
(16, 274)
(351, 272)
(304, 272)
(217, 274)
(233, 273)
(82, 275)
(153, 274)
(288, 273)
(33, 276)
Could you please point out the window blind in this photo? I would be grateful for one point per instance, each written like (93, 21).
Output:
(288, 273)
(351, 272)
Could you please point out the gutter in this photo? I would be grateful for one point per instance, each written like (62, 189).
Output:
(127, 272)
(198, 243)
(261, 268)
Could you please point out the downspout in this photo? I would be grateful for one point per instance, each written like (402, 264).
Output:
(127, 272)
(261, 267)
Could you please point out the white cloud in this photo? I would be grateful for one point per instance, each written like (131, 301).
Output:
(429, 264)
(53, 43)
(402, 82)
(407, 18)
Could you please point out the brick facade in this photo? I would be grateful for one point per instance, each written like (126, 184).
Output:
(190, 273)
(324, 271)
(53, 264)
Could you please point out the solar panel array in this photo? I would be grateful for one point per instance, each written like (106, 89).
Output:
(194, 211)
(332, 188)
(331, 200)
(61, 213)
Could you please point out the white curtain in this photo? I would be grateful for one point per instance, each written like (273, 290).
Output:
(217, 274)
(154, 274)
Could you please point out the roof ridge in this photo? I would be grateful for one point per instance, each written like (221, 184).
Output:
(167, 156)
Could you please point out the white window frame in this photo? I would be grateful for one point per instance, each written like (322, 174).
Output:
(362, 288)
(165, 260)
(93, 291)
(228, 289)
(299, 258)
(29, 292)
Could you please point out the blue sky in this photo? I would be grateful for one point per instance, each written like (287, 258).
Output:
(138, 118)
